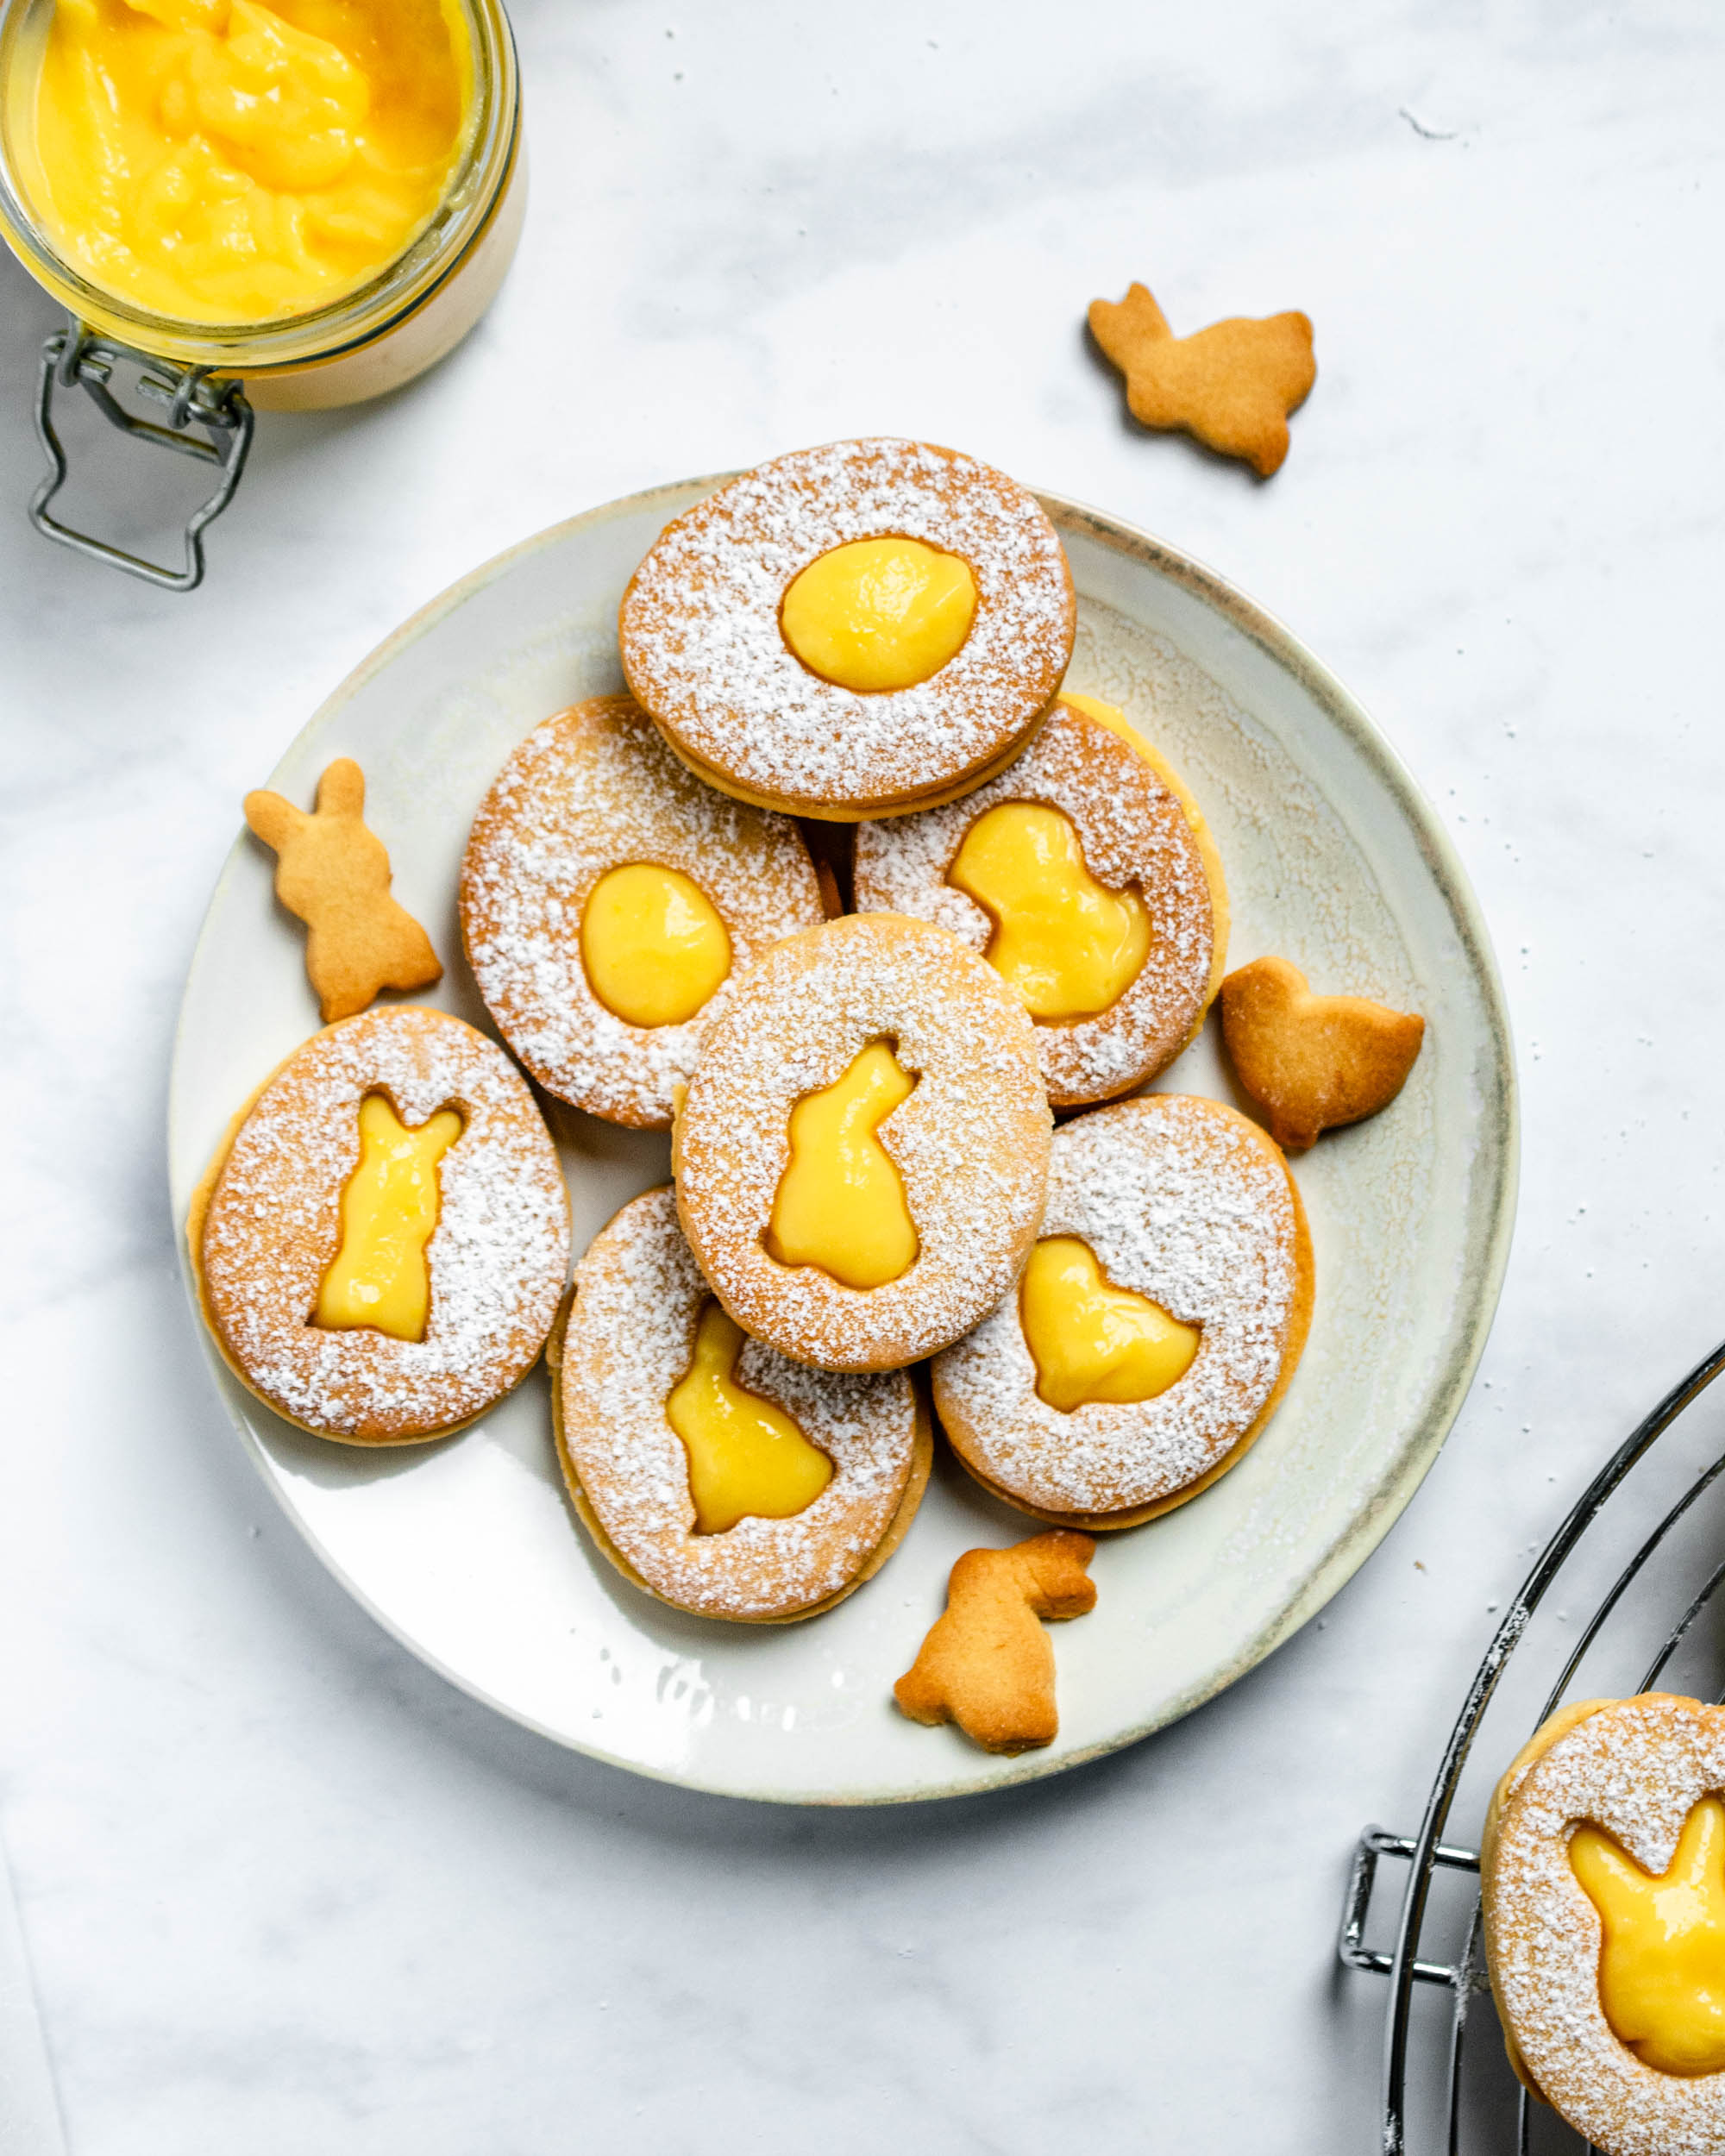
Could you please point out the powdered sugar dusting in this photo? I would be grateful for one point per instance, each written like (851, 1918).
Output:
(1637, 1769)
(703, 649)
(497, 1258)
(1134, 832)
(630, 1339)
(971, 1142)
(1180, 1201)
(589, 790)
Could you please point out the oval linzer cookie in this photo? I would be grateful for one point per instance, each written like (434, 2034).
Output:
(861, 1153)
(591, 795)
(705, 648)
(1603, 1875)
(395, 1171)
(1126, 838)
(777, 1542)
(1174, 1244)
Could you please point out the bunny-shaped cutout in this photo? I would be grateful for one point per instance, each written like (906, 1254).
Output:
(841, 1203)
(333, 874)
(1662, 1962)
(389, 1207)
(986, 1664)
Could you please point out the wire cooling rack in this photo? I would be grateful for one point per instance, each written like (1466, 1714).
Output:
(1596, 1617)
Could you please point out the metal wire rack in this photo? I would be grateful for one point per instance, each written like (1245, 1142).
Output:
(1447, 2085)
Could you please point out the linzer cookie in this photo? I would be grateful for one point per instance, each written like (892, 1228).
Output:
(382, 1242)
(853, 630)
(712, 1472)
(606, 896)
(1602, 1873)
(861, 1153)
(1160, 1318)
(1086, 879)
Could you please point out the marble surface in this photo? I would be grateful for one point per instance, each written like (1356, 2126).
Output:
(283, 1890)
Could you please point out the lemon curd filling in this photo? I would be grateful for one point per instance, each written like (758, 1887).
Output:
(1071, 947)
(746, 1457)
(389, 1213)
(229, 161)
(1662, 1962)
(653, 944)
(841, 1202)
(880, 613)
(1092, 1341)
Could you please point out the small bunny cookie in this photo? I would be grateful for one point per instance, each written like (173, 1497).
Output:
(1313, 1062)
(986, 1664)
(333, 874)
(1233, 384)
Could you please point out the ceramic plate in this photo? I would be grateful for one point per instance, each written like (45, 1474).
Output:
(466, 1551)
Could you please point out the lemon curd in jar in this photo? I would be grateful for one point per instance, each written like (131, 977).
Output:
(237, 162)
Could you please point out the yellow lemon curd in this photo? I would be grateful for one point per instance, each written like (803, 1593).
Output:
(1662, 1963)
(389, 1212)
(840, 1203)
(1069, 946)
(1091, 1341)
(880, 613)
(226, 161)
(746, 1457)
(653, 944)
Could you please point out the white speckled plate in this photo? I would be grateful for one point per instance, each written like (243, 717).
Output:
(467, 1549)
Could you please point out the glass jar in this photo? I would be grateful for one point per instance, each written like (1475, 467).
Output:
(209, 378)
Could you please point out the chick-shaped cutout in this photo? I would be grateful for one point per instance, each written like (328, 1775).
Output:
(653, 944)
(1662, 1961)
(389, 1213)
(879, 614)
(1092, 1341)
(841, 1202)
(1071, 947)
(746, 1457)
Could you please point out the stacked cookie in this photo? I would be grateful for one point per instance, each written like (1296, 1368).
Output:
(869, 1183)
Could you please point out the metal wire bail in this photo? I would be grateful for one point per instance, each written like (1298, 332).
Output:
(76, 356)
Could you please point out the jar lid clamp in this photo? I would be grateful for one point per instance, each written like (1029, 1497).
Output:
(193, 400)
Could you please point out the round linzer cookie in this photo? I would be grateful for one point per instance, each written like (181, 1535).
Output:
(382, 1239)
(1087, 878)
(1159, 1319)
(853, 630)
(606, 896)
(861, 1153)
(1602, 1873)
(714, 1473)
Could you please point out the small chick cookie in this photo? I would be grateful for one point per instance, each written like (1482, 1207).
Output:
(1313, 1062)
(861, 1152)
(1603, 1875)
(1084, 876)
(380, 1243)
(988, 1664)
(333, 875)
(709, 1470)
(1159, 1321)
(852, 630)
(1233, 384)
(606, 897)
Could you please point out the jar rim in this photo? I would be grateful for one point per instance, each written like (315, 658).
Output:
(324, 332)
